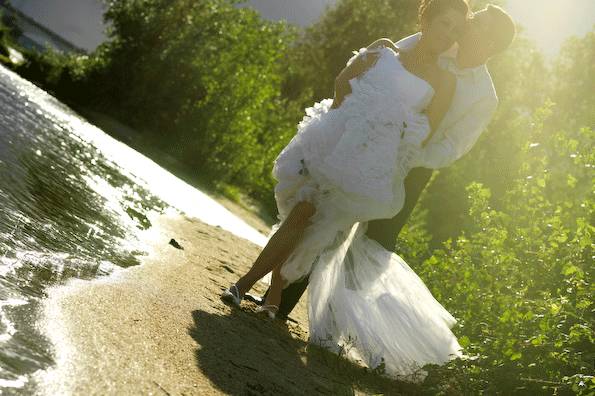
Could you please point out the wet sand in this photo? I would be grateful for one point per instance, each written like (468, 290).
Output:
(160, 328)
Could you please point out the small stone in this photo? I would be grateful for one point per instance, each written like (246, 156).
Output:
(175, 244)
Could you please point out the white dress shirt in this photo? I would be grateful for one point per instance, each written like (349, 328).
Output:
(473, 104)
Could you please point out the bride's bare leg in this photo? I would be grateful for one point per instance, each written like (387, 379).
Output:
(280, 245)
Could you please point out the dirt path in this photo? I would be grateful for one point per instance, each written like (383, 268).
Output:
(160, 328)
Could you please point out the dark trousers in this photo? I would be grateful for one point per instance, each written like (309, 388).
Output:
(384, 231)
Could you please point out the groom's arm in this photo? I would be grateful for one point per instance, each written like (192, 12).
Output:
(459, 137)
(383, 42)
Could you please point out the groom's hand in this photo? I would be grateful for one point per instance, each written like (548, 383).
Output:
(384, 42)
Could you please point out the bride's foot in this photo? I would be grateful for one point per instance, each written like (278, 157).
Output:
(269, 309)
(231, 296)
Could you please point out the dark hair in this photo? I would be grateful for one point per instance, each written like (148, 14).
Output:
(503, 26)
(429, 9)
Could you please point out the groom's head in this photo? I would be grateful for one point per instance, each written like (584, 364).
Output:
(488, 32)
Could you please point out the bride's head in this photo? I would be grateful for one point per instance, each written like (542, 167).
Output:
(442, 22)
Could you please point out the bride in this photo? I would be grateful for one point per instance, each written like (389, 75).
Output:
(346, 165)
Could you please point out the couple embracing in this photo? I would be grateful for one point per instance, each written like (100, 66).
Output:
(352, 174)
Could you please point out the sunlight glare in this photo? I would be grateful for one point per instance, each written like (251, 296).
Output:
(550, 22)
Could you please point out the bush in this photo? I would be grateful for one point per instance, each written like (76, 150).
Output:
(4, 41)
(518, 279)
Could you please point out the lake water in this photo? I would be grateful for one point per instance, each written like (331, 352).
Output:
(72, 202)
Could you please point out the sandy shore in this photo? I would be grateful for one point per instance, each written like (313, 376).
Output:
(160, 328)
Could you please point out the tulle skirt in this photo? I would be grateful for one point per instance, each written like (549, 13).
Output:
(369, 304)
(364, 300)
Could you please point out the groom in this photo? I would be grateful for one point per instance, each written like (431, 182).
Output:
(489, 32)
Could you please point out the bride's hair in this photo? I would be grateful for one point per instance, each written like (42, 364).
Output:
(429, 9)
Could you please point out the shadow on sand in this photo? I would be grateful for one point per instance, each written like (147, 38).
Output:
(245, 354)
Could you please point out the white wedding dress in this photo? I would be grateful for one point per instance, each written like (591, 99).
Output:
(351, 162)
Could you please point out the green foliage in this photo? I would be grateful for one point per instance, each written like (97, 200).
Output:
(205, 79)
(503, 238)
(324, 48)
(4, 41)
(573, 90)
(519, 278)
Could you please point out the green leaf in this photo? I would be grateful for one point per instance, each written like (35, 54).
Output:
(516, 356)
(464, 341)
(539, 340)
(570, 269)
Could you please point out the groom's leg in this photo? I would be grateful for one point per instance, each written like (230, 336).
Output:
(291, 296)
(385, 231)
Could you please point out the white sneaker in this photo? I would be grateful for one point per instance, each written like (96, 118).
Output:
(231, 296)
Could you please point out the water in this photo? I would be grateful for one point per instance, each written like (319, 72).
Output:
(72, 201)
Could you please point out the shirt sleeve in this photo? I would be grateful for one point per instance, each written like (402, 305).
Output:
(458, 138)
(409, 41)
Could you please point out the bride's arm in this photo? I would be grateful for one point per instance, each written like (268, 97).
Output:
(440, 102)
(357, 67)
(354, 69)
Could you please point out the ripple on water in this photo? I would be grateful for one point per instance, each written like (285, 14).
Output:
(72, 202)
(66, 211)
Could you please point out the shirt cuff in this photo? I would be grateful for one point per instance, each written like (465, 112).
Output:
(417, 159)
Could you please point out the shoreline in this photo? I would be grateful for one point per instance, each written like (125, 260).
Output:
(131, 331)
(160, 328)
(247, 209)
